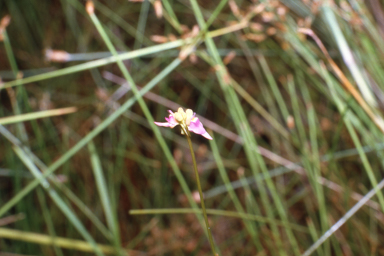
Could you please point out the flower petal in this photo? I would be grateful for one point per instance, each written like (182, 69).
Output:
(206, 135)
(171, 120)
(197, 127)
(163, 124)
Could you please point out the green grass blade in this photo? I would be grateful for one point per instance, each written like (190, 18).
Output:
(103, 193)
(57, 199)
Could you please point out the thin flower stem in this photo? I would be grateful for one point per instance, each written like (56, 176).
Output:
(201, 194)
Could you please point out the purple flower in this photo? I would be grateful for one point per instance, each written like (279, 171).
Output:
(187, 120)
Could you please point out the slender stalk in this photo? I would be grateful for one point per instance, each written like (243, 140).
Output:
(200, 192)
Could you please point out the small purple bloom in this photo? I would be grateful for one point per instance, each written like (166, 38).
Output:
(187, 120)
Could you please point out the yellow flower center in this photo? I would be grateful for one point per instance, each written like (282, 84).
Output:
(183, 118)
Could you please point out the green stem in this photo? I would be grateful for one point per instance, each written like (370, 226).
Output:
(201, 194)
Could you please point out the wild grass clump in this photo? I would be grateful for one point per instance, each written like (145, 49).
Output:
(291, 92)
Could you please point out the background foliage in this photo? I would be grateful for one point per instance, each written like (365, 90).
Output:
(291, 91)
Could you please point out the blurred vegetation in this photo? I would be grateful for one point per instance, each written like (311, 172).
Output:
(292, 91)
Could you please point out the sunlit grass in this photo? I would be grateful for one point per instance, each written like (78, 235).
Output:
(291, 92)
